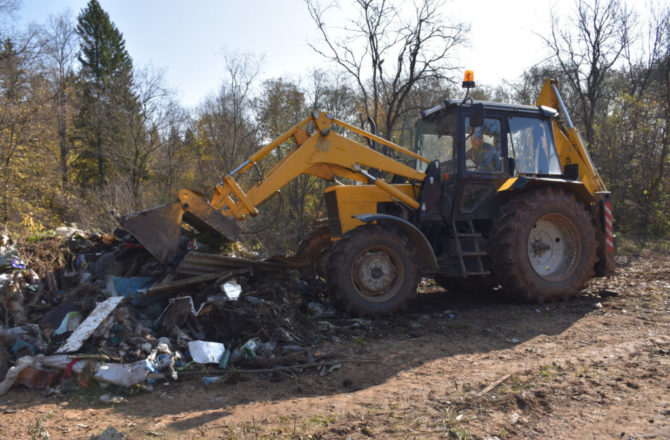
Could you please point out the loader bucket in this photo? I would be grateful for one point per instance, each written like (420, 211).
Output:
(159, 229)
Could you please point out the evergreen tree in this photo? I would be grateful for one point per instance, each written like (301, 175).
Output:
(105, 86)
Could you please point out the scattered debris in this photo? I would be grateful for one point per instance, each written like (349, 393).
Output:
(13, 373)
(102, 308)
(209, 380)
(110, 434)
(108, 398)
(608, 293)
(204, 352)
(127, 375)
(198, 263)
(232, 290)
(180, 284)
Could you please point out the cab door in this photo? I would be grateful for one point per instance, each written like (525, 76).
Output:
(483, 165)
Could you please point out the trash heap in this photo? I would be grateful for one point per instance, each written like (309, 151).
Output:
(99, 308)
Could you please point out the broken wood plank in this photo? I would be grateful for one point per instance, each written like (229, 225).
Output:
(186, 282)
(90, 324)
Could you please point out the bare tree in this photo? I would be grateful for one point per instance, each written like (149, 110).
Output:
(8, 9)
(588, 50)
(170, 163)
(225, 124)
(387, 54)
(332, 92)
(61, 51)
(280, 105)
(641, 59)
(662, 26)
(527, 88)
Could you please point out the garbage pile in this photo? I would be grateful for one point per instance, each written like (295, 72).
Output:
(99, 308)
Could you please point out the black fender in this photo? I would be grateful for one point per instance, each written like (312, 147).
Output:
(428, 258)
(525, 183)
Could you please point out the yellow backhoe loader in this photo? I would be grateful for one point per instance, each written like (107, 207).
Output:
(499, 194)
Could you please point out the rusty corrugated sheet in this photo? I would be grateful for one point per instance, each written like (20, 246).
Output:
(198, 263)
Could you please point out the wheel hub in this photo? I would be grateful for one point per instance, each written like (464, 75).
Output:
(375, 272)
(552, 246)
(541, 243)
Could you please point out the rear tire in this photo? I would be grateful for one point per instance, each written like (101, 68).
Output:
(544, 246)
(373, 271)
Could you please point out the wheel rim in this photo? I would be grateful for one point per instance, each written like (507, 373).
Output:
(554, 247)
(377, 273)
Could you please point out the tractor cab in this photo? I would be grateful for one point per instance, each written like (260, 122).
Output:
(486, 135)
(480, 145)
(480, 151)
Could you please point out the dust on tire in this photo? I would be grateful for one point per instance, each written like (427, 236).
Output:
(387, 274)
(512, 250)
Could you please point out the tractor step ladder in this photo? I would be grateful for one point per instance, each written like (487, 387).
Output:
(475, 253)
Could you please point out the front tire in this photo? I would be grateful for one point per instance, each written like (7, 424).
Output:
(373, 270)
(544, 246)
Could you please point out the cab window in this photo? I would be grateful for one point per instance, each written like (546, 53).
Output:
(533, 146)
(436, 140)
(483, 146)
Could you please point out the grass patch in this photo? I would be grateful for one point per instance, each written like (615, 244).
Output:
(322, 421)
(552, 371)
(40, 236)
(512, 386)
(38, 430)
(453, 421)
(585, 371)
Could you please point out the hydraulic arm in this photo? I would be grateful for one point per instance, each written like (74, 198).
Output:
(323, 153)
(573, 153)
(569, 143)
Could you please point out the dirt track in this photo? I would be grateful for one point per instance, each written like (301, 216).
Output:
(595, 367)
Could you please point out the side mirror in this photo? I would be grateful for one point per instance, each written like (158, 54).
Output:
(477, 115)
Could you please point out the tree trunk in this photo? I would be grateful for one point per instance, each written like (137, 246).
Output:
(62, 135)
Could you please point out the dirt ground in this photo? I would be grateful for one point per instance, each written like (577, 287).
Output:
(454, 365)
